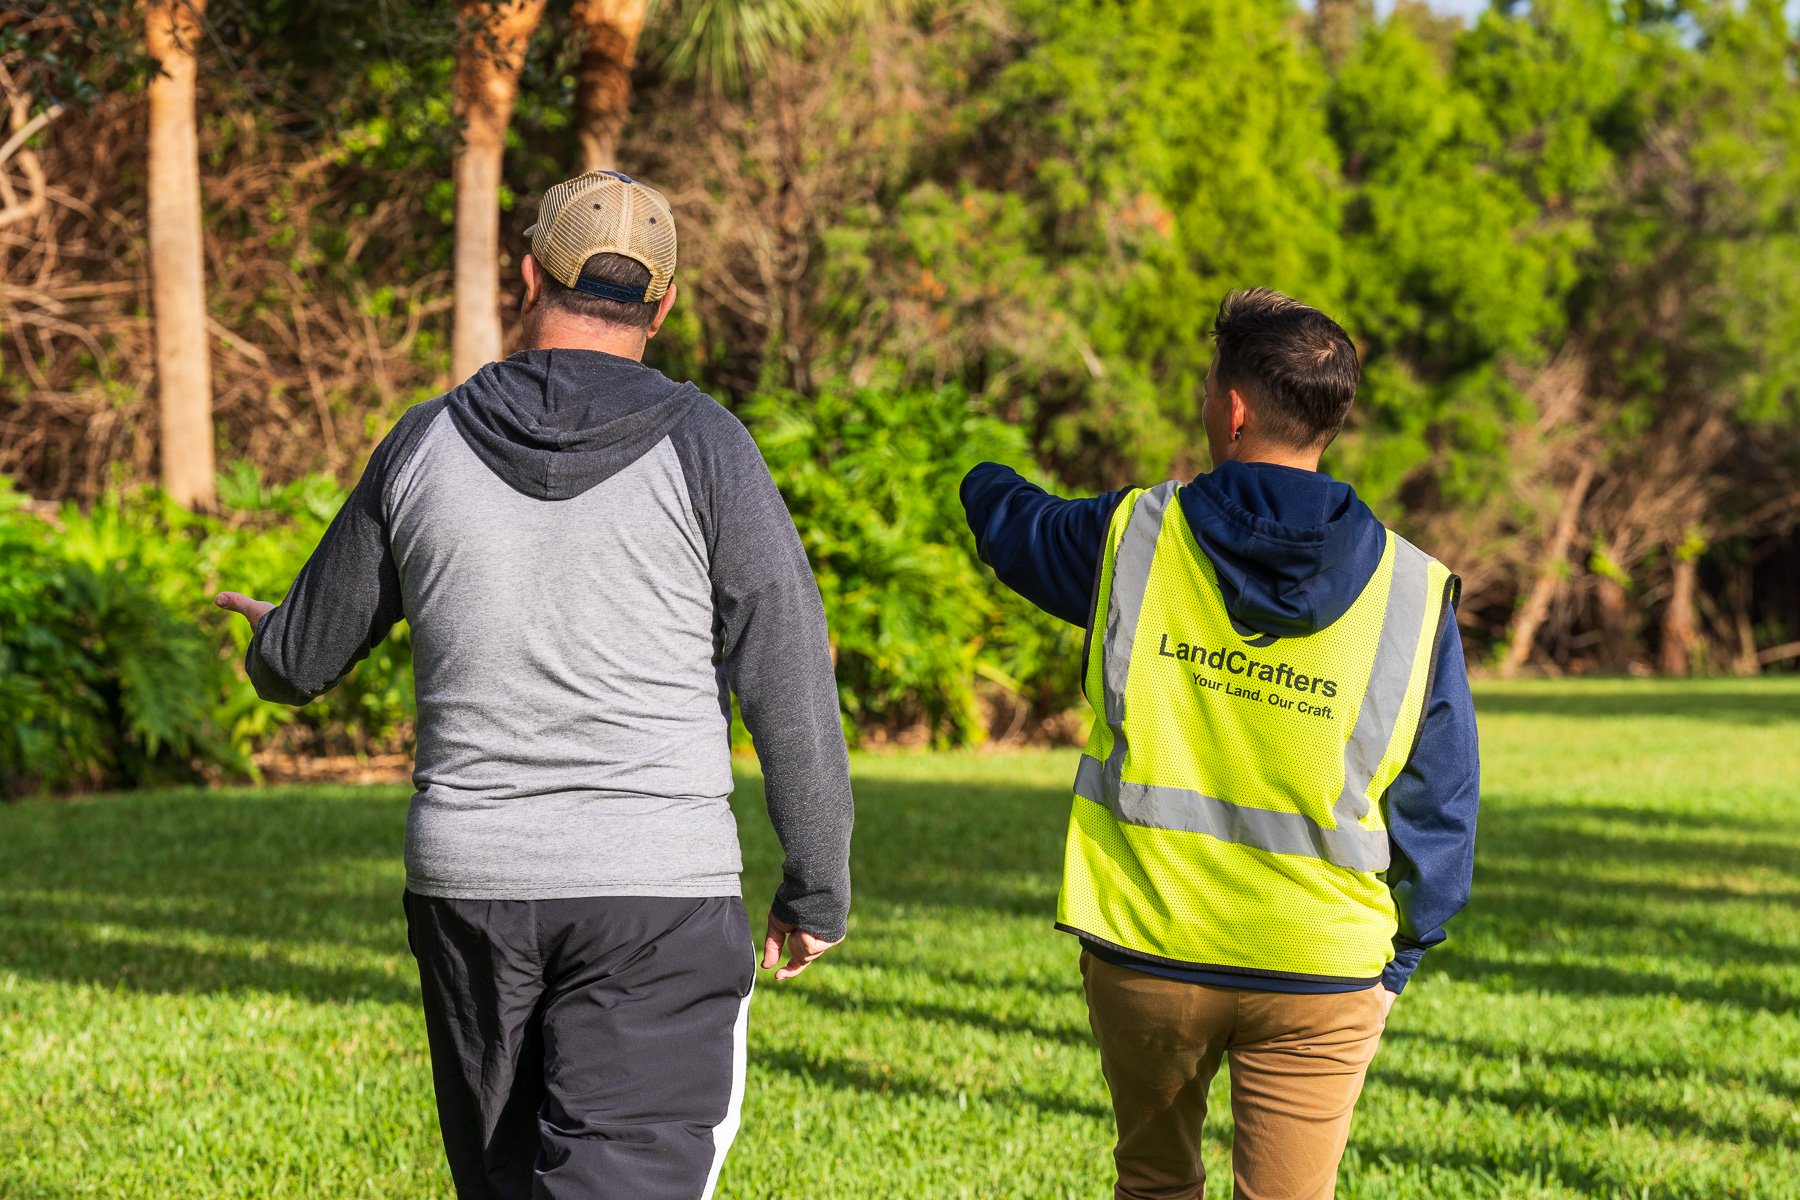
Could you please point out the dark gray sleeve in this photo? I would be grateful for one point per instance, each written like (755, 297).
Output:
(777, 659)
(347, 596)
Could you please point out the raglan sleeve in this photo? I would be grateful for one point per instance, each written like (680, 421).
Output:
(777, 660)
(347, 596)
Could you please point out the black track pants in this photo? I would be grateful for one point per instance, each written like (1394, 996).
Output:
(585, 1049)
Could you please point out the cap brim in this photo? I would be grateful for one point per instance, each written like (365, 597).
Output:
(531, 230)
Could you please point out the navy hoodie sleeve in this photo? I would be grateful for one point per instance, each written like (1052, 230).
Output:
(1043, 547)
(1431, 815)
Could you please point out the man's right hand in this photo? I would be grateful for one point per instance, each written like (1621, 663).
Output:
(252, 611)
(802, 947)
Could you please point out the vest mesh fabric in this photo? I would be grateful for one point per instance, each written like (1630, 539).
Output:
(1214, 838)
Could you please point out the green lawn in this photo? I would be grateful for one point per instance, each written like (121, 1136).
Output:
(208, 993)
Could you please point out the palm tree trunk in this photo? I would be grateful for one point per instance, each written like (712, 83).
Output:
(178, 279)
(609, 31)
(485, 82)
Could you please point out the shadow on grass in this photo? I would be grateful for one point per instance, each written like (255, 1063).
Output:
(75, 956)
(947, 1014)
(1747, 706)
(938, 845)
(1553, 846)
(1596, 978)
(1604, 1067)
(200, 892)
(262, 890)
(267, 890)
(1538, 1165)
(1603, 1112)
(1591, 900)
(855, 1077)
(1609, 912)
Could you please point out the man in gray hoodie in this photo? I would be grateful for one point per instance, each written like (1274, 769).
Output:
(593, 559)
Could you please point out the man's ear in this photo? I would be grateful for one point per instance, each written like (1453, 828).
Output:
(662, 311)
(532, 273)
(1240, 414)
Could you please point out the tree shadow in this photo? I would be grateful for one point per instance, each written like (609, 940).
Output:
(1745, 706)
(1656, 1116)
(948, 1014)
(938, 845)
(200, 892)
(1609, 909)
(1537, 1164)
(1598, 979)
(840, 1075)
(1544, 873)
(196, 891)
(1602, 1065)
(81, 957)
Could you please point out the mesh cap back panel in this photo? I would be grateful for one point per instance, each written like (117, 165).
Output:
(605, 213)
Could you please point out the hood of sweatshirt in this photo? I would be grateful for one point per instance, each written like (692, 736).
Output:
(1293, 549)
(554, 423)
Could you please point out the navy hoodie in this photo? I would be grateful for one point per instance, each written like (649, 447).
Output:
(1292, 549)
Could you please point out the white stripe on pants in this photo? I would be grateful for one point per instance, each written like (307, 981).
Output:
(726, 1130)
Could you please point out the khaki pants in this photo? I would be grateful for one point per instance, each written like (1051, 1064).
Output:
(1297, 1067)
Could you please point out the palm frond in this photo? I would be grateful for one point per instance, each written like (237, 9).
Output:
(725, 43)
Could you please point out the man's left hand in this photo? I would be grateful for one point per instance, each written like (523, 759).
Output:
(252, 611)
(802, 947)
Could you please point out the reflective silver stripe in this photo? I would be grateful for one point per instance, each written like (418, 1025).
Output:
(1395, 653)
(1130, 580)
(1124, 604)
(1155, 806)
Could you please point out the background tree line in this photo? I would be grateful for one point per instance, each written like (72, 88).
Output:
(1564, 236)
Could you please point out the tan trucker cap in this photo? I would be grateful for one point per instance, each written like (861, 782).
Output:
(604, 212)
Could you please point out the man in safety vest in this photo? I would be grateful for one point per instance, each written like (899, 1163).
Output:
(1275, 814)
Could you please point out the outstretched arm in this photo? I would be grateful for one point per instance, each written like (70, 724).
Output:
(1043, 547)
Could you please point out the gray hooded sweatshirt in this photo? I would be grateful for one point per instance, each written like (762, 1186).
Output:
(592, 559)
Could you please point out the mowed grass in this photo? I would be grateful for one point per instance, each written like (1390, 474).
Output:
(207, 994)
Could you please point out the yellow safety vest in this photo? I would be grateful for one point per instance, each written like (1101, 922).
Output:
(1228, 806)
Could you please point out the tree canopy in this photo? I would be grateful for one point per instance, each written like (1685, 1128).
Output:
(1563, 235)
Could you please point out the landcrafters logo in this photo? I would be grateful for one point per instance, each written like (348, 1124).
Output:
(1251, 670)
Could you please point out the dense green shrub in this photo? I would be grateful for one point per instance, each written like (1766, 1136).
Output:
(102, 680)
(257, 549)
(916, 621)
(115, 668)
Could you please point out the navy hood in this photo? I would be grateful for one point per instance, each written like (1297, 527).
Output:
(1293, 549)
(554, 423)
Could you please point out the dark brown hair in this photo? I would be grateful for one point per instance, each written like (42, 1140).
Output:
(1296, 364)
(608, 268)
